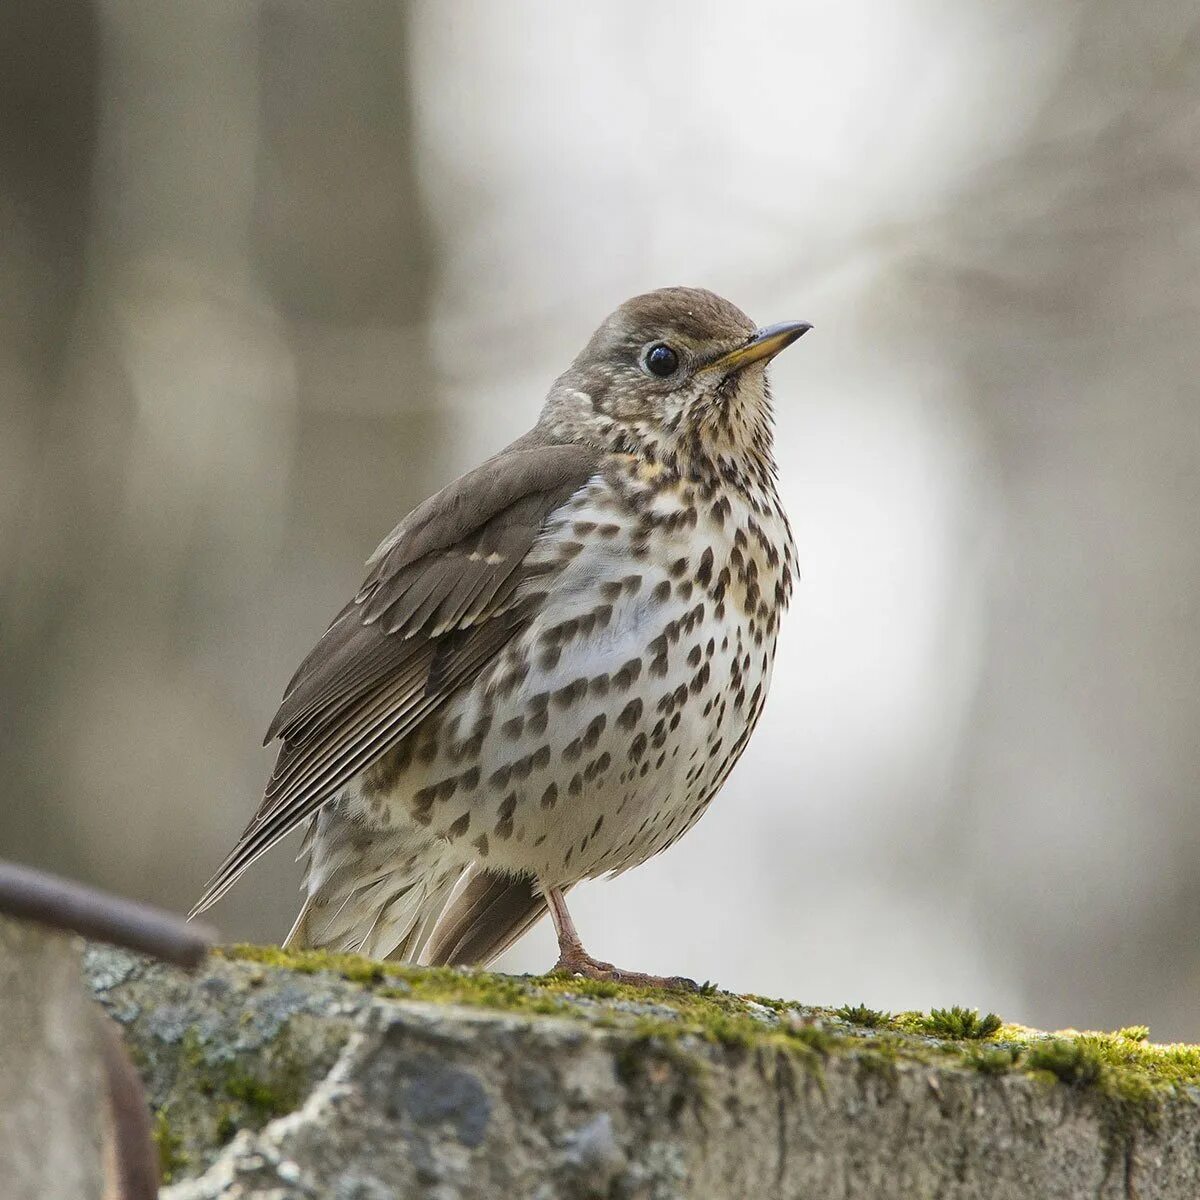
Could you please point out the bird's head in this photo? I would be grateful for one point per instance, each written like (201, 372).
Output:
(679, 373)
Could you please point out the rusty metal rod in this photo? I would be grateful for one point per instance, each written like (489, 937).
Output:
(62, 904)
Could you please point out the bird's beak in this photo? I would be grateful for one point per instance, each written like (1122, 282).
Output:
(762, 346)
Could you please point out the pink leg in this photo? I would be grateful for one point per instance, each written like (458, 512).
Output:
(574, 960)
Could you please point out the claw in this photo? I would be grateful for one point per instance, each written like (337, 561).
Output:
(582, 965)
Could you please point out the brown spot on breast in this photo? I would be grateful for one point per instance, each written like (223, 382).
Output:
(564, 631)
(457, 828)
(628, 675)
(573, 691)
(504, 823)
(630, 714)
(596, 766)
(550, 796)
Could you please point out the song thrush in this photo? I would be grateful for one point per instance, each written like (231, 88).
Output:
(553, 664)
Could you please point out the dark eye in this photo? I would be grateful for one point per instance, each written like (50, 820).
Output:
(661, 360)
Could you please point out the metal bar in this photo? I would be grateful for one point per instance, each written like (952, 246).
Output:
(62, 904)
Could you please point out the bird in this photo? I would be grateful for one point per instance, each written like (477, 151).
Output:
(552, 664)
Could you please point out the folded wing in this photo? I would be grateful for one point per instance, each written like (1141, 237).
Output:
(445, 592)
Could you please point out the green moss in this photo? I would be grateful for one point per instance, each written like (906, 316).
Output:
(1136, 1061)
(265, 1099)
(1070, 1062)
(1135, 1033)
(227, 1126)
(1123, 1080)
(880, 1060)
(308, 962)
(255, 1091)
(169, 1144)
(961, 1024)
(711, 1015)
(773, 1003)
(860, 1014)
(1130, 1069)
(993, 1060)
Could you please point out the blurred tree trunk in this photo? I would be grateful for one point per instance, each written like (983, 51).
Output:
(203, 496)
(48, 79)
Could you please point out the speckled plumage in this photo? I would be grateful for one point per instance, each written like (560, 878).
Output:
(569, 649)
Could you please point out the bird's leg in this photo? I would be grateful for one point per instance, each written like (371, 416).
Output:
(573, 959)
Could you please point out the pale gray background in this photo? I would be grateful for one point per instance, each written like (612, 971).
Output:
(270, 272)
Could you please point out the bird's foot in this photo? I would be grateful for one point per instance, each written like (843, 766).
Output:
(580, 963)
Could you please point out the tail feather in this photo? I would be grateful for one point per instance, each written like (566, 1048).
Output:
(370, 892)
(490, 913)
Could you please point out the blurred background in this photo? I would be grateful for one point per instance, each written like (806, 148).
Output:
(271, 272)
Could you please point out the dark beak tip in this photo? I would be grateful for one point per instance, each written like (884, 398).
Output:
(787, 331)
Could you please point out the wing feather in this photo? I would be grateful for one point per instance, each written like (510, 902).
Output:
(442, 597)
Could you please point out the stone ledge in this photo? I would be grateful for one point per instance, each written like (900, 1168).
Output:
(310, 1076)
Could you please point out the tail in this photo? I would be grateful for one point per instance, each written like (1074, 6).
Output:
(376, 892)
(386, 893)
(485, 917)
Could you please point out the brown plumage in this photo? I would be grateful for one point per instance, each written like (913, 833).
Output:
(497, 691)
(437, 603)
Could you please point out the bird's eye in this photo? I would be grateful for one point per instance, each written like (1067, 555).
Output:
(661, 360)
